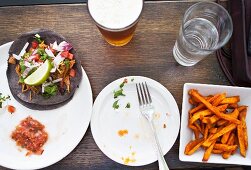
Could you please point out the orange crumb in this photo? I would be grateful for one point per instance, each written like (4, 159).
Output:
(122, 132)
(11, 109)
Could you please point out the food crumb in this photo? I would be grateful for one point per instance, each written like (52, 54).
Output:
(136, 136)
(133, 153)
(167, 114)
(122, 132)
(128, 160)
(130, 147)
(157, 115)
(164, 125)
(11, 109)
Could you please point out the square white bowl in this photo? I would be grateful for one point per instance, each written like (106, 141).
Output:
(186, 133)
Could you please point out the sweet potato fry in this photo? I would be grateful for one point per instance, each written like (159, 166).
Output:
(241, 140)
(242, 117)
(205, 120)
(230, 141)
(192, 102)
(234, 114)
(221, 122)
(201, 105)
(240, 108)
(213, 130)
(224, 130)
(208, 142)
(208, 152)
(206, 132)
(196, 133)
(216, 151)
(191, 145)
(195, 148)
(233, 105)
(213, 119)
(225, 147)
(231, 100)
(204, 113)
(225, 137)
(219, 99)
(213, 108)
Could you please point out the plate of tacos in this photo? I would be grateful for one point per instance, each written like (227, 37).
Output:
(50, 92)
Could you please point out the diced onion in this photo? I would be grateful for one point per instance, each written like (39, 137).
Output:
(49, 52)
(63, 46)
(26, 72)
(18, 57)
(57, 60)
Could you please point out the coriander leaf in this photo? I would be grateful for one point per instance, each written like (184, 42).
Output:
(21, 80)
(50, 90)
(38, 38)
(118, 93)
(44, 56)
(128, 105)
(40, 51)
(122, 85)
(115, 104)
(3, 99)
(132, 79)
(67, 63)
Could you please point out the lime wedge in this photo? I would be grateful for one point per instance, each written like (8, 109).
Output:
(40, 75)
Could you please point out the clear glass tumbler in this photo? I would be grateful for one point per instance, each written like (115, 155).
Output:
(206, 27)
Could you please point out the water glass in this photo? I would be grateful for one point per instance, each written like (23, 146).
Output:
(206, 27)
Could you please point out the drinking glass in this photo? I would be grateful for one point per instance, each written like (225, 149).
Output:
(206, 27)
(116, 19)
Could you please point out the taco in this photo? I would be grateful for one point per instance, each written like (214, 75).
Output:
(27, 55)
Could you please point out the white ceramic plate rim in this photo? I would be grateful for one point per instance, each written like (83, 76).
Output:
(102, 95)
(78, 136)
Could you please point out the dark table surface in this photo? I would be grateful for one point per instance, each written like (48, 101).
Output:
(148, 54)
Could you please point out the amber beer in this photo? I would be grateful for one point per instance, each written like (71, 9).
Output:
(116, 19)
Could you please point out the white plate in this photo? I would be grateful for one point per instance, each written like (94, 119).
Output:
(186, 134)
(137, 145)
(66, 125)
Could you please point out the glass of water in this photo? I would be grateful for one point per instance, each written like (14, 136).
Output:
(206, 27)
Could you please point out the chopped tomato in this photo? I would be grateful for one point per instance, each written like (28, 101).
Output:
(70, 56)
(34, 44)
(65, 54)
(11, 109)
(37, 57)
(72, 72)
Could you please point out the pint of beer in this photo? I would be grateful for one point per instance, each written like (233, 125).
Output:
(116, 19)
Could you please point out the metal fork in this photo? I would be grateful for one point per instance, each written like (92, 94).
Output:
(147, 110)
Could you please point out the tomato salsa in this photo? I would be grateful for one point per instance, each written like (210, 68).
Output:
(30, 134)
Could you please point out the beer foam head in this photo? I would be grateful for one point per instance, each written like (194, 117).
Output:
(115, 14)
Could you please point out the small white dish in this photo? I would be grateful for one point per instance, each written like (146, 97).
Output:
(186, 133)
(135, 148)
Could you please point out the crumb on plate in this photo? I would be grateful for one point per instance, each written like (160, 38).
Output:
(122, 132)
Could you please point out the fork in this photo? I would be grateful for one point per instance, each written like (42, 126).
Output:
(147, 110)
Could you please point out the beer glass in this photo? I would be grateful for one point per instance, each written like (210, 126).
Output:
(206, 27)
(116, 19)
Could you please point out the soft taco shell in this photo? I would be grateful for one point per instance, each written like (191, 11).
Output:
(39, 102)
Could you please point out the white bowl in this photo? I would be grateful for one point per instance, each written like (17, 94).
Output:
(186, 133)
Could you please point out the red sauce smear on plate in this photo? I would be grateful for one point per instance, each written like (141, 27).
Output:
(30, 134)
